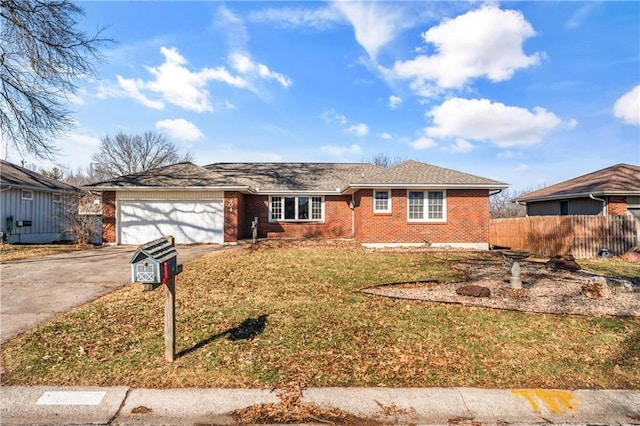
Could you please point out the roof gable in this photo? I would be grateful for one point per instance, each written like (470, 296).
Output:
(617, 179)
(16, 176)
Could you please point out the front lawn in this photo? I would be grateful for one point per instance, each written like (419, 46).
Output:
(320, 331)
(12, 252)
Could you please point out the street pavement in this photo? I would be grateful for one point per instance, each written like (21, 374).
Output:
(43, 405)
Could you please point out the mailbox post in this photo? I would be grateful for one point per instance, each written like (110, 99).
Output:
(156, 263)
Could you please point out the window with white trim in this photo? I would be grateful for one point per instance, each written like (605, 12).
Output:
(426, 206)
(381, 201)
(300, 208)
(27, 194)
(56, 197)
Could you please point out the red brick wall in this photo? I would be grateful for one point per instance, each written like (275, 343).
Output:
(337, 223)
(108, 217)
(467, 219)
(233, 215)
(617, 206)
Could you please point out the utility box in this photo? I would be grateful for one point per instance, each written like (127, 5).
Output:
(155, 262)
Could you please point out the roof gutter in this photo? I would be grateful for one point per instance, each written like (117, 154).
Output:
(604, 203)
(582, 195)
(431, 185)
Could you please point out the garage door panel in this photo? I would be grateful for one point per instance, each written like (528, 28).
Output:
(188, 222)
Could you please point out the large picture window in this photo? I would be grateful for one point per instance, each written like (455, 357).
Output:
(301, 208)
(426, 206)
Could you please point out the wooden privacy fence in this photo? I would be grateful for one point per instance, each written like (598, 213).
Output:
(581, 236)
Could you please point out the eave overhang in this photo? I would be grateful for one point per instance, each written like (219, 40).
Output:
(579, 195)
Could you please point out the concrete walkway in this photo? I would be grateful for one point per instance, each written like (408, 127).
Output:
(428, 406)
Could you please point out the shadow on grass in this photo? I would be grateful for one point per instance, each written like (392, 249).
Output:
(248, 329)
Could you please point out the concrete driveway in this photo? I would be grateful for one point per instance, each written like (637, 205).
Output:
(36, 290)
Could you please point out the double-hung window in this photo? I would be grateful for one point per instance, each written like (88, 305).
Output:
(426, 206)
(381, 201)
(300, 208)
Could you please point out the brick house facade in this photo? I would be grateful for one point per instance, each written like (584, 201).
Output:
(412, 203)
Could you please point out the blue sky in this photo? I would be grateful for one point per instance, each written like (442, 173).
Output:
(529, 93)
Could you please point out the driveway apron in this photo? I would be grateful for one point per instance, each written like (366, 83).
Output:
(36, 290)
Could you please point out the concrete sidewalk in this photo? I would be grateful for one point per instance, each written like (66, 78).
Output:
(429, 406)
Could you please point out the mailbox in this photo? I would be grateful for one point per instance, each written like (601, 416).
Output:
(155, 262)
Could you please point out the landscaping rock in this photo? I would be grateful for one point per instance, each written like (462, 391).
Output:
(596, 288)
(633, 255)
(474, 291)
(567, 262)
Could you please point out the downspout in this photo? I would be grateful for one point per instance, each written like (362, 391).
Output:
(352, 205)
(604, 204)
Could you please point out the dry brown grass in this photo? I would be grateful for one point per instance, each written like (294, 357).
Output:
(12, 252)
(321, 330)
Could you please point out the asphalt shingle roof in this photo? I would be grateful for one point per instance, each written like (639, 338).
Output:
(16, 176)
(174, 176)
(265, 177)
(296, 176)
(417, 173)
(621, 178)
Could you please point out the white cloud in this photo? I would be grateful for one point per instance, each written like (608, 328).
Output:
(627, 107)
(180, 129)
(483, 43)
(359, 129)
(320, 18)
(385, 136)
(580, 15)
(374, 23)
(233, 27)
(244, 65)
(507, 154)
(483, 120)
(340, 151)
(460, 145)
(330, 116)
(176, 84)
(131, 88)
(394, 101)
(423, 143)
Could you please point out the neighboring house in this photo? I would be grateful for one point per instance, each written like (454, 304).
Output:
(410, 203)
(30, 205)
(611, 191)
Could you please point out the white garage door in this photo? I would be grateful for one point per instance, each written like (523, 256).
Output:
(188, 221)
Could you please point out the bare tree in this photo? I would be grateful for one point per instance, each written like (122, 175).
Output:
(384, 160)
(79, 217)
(126, 154)
(501, 205)
(42, 56)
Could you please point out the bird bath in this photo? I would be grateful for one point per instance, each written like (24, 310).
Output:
(515, 257)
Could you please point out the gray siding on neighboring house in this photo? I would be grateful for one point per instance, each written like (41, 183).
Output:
(633, 202)
(42, 211)
(575, 206)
